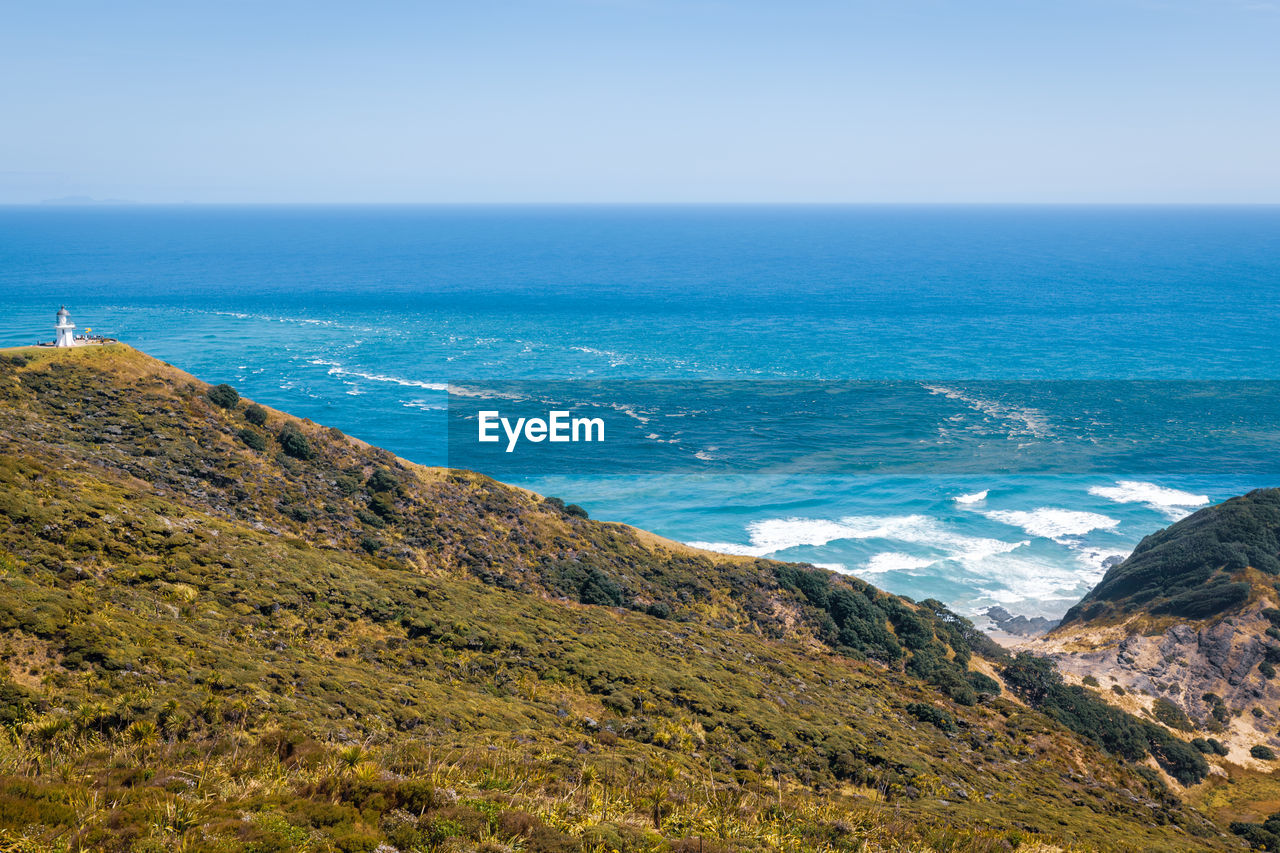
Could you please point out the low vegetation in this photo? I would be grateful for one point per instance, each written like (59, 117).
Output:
(299, 642)
(1085, 712)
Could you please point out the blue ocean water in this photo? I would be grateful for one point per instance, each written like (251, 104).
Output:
(359, 317)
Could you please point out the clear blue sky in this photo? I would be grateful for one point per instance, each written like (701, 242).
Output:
(642, 100)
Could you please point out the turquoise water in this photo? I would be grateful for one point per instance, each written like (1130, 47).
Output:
(359, 317)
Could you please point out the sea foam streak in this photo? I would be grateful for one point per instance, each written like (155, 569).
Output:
(1173, 503)
(973, 498)
(336, 369)
(1052, 523)
(1025, 420)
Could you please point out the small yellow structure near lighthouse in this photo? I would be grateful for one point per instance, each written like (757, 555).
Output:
(66, 336)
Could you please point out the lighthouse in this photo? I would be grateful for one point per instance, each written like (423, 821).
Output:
(65, 329)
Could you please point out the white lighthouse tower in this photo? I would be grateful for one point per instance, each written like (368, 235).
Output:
(65, 329)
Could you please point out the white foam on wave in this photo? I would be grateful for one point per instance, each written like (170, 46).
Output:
(1047, 584)
(833, 567)
(728, 548)
(894, 561)
(1174, 503)
(1053, 523)
(616, 359)
(1091, 561)
(482, 393)
(998, 569)
(629, 411)
(773, 535)
(973, 498)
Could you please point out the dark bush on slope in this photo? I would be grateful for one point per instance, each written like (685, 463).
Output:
(860, 620)
(224, 395)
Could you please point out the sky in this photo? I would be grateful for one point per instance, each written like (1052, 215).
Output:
(482, 101)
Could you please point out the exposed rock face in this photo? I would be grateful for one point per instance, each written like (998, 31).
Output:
(1226, 658)
(1019, 625)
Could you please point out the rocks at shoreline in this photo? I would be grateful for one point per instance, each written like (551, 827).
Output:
(1020, 625)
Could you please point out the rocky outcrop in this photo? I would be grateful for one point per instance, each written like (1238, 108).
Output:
(1219, 673)
(1019, 625)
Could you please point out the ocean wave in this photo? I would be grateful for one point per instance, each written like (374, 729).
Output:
(774, 535)
(1052, 523)
(973, 498)
(616, 359)
(731, 548)
(1173, 503)
(1048, 586)
(1093, 560)
(894, 561)
(629, 411)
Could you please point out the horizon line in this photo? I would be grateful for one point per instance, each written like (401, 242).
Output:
(126, 203)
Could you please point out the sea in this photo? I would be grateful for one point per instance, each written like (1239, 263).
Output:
(986, 405)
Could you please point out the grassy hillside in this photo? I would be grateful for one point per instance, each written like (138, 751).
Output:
(227, 629)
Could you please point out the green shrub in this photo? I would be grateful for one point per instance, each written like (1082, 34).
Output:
(1205, 601)
(294, 443)
(255, 414)
(383, 480)
(932, 715)
(1258, 837)
(1260, 751)
(253, 439)
(384, 505)
(1178, 758)
(370, 518)
(659, 610)
(599, 588)
(16, 702)
(223, 395)
(1171, 715)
